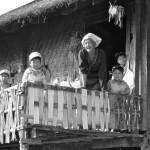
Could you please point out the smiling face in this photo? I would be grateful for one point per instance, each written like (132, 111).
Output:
(122, 60)
(35, 63)
(117, 74)
(89, 45)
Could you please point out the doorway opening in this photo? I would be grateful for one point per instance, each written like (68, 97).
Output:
(113, 40)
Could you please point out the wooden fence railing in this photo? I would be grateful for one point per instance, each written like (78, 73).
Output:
(67, 107)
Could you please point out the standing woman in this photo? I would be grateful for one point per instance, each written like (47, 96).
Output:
(92, 63)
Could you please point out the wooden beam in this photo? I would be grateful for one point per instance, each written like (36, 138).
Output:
(144, 64)
(13, 144)
(148, 66)
(49, 131)
(117, 142)
(137, 20)
(128, 30)
(67, 146)
(97, 144)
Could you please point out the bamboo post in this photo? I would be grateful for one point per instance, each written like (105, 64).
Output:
(23, 134)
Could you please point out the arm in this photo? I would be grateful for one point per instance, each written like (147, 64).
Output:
(109, 86)
(83, 67)
(83, 62)
(44, 79)
(47, 74)
(127, 89)
(25, 76)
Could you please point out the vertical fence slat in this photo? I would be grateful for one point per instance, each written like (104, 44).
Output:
(41, 104)
(1, 116)
(65, 115)
(93, 111)
(101, 105)
(131, 113)
(107, 111)
(79, 109)
(118, 113)
(134, 113)
(139, 122)
(130, 117)
(89, 103)
(31, 102)
(84, 111)
(36, 98)
(123, 113)
(120, 118)
(69, 108)
(60, 108)
(50, 106)
(74, 110)
(8, 114)
(55, 113)
(45, 109)
(97, 111)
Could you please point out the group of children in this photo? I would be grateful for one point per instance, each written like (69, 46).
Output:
(34, 74)
(122, 81)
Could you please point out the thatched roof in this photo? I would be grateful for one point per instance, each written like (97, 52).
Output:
(33, 9)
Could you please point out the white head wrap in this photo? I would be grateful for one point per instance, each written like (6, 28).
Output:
(33, 55)
(92, 36)
(5, 71)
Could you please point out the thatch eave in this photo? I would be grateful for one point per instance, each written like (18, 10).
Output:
(33, 9)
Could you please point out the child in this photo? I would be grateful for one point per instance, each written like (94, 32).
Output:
(121, 59)
(117, 84)
(34, 74)
(128, 75)
(4, 77)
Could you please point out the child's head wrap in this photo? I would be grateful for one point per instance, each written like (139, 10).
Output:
(34, 55)
(5, 71)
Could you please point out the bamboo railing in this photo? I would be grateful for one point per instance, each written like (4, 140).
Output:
(67, 107)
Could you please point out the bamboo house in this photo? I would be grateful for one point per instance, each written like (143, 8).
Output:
(54, 118)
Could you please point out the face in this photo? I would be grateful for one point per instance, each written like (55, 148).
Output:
(117, 74)
(122, 60)
(89, 45)
(4, 77)
(35, 63)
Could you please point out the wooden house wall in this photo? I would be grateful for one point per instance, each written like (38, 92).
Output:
(138, 32)
(58, 40)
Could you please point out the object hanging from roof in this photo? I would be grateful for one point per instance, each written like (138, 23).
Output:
(116, 12)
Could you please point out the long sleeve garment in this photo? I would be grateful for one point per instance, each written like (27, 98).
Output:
(95, 70)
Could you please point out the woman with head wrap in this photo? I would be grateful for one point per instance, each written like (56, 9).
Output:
(92, 63)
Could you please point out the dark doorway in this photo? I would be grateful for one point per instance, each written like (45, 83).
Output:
(113, 39)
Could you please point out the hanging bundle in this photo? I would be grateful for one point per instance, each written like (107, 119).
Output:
(116, 12)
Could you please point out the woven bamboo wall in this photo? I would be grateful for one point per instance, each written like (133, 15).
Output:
(57, 40)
